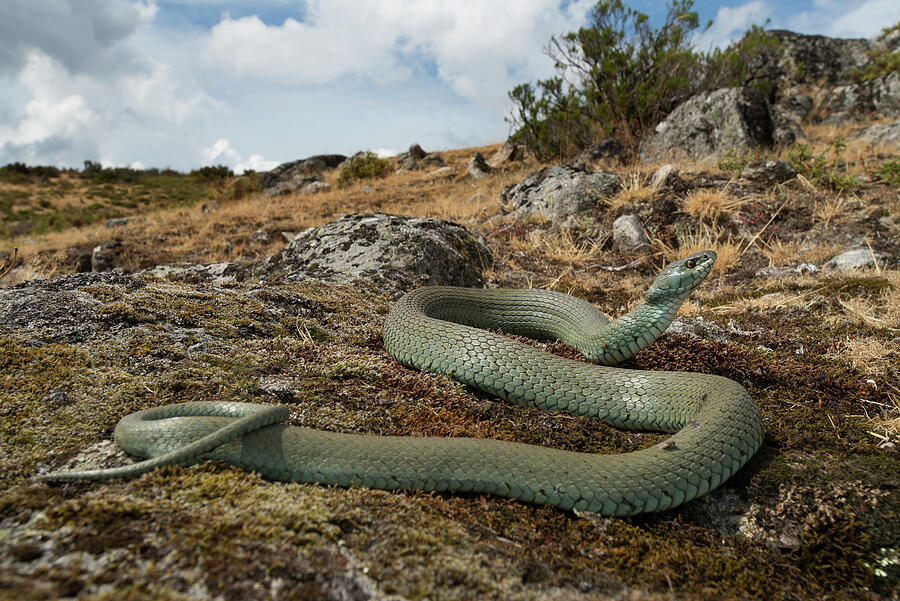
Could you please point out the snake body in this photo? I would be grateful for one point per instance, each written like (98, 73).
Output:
(443, 329)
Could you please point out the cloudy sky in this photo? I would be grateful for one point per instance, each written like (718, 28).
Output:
(250, 84)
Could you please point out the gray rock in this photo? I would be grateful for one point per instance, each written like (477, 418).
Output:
(288, 172)
(213, 273)
(770, 172)
(411, 159)
(663, 176)
(103, 257)
(387, 252)
(887, 134)
(432, 160)
(818, 59)
(628, 233)
(855, 259)
(708, 125)
(118, 222)
(261, 236)
(879, 96)
(506, 154)
(558, 192)
(478, 167)
(607, 148)
(304, 184)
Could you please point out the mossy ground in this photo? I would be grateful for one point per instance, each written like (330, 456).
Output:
(812, 516)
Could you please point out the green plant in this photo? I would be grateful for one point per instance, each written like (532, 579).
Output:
(618, 75)
(816, 167)
(363, 166)
(881, 61)
(889, 171)
(732, 161)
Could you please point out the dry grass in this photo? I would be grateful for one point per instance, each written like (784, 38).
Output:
(780, 253)
(711, 205)
(868, 355)
(635, 189)
(831, 209)
(706, 238)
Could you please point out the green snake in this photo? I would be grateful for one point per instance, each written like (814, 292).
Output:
(446, 330)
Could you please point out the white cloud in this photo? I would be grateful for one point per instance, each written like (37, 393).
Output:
(222, 153)
(846, 20)
(731, 22)
(481, 49)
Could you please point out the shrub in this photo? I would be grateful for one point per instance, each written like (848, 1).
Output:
(817, 167)
(212, 173)
(881, 61)
(619, 76)
(363, 166)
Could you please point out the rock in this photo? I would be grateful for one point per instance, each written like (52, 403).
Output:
(298, 170)
(628, 233)
(213, 273)
(879, 96)
(416, 153)
(506, 154)
(103, 257)
(432, 160)
(663, 176)
(607, 148)
(304, 184)
(80, 256)
(887, 134)
(261, 236)
(118, 222)
(770, 172)
(854, 259)
(288, 236)
(706, 126)
(478, 167)
(777, 272)
(818, 59)
(558, 192)
(410, 159)
(387, 252)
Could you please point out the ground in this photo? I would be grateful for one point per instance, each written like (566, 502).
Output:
(812, 516)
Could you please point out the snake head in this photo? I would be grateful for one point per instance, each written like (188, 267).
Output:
(681, 276)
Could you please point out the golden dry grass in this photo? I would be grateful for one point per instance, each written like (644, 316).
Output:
(705, 238)
(831, 209)
(635, 189)
(711, 205)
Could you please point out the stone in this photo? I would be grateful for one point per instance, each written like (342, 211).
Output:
(770, 172)
(607, 148)
(506, 154)
(385, 252)
(558, 192)
(432, 160)
(416, 153)
(879, 96)
(818, 59)
(294, 170)
(886, 134)
(305, 184)
(706, 126)
(117, 222)
(261, 236)
(411, 159)
(103, 257)
(663, 176)
(855, 259)
(629, 234)
(478, 167)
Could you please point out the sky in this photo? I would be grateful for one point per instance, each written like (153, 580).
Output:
(251, 84)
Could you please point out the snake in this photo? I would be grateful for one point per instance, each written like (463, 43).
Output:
(716, 427)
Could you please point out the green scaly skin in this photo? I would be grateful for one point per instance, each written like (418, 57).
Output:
(717, 426)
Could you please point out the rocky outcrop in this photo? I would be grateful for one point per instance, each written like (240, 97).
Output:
(385, 252)
(818, 59)
(299, 184)
(478, 167)
(878, 97)
(289, 177)
(505, 155)
(417, 158)
(557, 193)
(887, 134)
(706, 126)
(770, 172)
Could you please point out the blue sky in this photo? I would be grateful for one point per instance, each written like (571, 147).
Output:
(185, 83)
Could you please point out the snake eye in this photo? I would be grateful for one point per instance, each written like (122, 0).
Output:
(691, 263)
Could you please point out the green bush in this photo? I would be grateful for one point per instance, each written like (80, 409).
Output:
(364, 166)
(212, 173)
(816, 167)
(881, 62)
(889, 171)
(619, 76)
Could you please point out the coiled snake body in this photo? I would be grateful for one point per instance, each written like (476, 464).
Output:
(442, 329)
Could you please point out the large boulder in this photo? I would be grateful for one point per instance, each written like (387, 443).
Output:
(298, 173)
(879, 97)
(818, 59)
(887, 134)
(386, 252)
(558, 192)
(706, 126)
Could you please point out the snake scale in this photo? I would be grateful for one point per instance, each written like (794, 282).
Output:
(446, 330)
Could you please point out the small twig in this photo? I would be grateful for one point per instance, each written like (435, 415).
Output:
(9, 267)
(631, 265)
(768, 223)
(874, 258)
